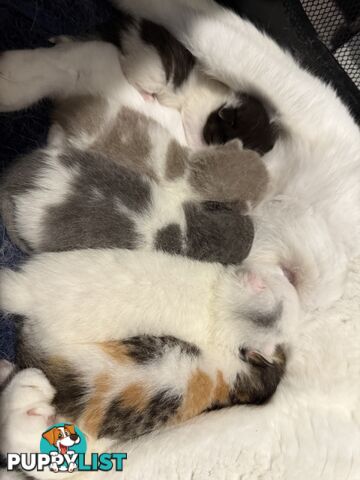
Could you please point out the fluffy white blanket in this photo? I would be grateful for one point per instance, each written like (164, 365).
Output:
(310, 430)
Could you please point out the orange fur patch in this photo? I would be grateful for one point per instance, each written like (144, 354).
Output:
(198, 396)
(117, 352)
(92, 417)
(222, 390)
(134, 397)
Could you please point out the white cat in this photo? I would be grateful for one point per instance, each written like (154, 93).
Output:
(310, 223)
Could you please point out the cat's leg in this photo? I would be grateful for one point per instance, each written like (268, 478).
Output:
(6, 369)
(26, 408)
(65, 70)
(26, 413)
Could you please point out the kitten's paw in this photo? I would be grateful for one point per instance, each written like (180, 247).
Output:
(25, 78)
(6, 368)
(10, 80)
(26, 411)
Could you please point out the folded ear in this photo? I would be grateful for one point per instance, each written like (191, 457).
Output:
(70, 428)
(50, 436)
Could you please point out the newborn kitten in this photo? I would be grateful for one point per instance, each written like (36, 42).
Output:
(139, 340)
(157, 63)
(116, 172)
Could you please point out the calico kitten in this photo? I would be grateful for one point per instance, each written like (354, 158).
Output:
(139, 340)
(116, 172)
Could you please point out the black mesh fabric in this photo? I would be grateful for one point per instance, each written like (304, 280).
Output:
(337, 23)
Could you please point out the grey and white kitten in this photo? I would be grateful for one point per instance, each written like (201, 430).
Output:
(117, 171)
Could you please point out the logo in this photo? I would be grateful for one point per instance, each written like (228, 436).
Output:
(63, 449)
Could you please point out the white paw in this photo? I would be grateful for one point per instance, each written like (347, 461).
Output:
(10, 80)
(22, 77)
(26, 411)
(5, 370)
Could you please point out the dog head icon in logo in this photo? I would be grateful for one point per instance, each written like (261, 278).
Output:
(63, 442)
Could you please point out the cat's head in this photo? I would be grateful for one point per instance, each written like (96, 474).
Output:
(214, 115)
(245, 117)
(260, 307)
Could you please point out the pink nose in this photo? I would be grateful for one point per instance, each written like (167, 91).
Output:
(256, 282)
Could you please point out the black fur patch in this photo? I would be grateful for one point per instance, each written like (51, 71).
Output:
(113, 30)
(148, 348)
(177, 61)
(70, 397)
(261, 383)
(250, 122)
(71, 392)
(124, 423)
(169, 239)
(217, 232)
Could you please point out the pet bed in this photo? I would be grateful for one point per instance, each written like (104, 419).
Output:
(311, 428)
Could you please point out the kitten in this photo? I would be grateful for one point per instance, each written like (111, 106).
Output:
(139, 340)
(157, 63)
(116, 171)
(309, 223)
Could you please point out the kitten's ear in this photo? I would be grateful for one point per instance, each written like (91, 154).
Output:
(234, 144)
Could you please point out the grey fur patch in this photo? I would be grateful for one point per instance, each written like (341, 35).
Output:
(266, 320)
(125, 423)
(127, 141)
(177, 61)
(17, 180)
(89, 220)
(227, 173)
(169, 239)
(148, 348)
(80, 114)
(217, 233)
(176, 160)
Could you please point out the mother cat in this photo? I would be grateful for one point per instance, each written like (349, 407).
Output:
(310, 223)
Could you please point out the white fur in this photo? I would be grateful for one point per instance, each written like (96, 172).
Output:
(52, 186)
(116, 294)
(315, 166)
(123, 293)
(311, 428)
